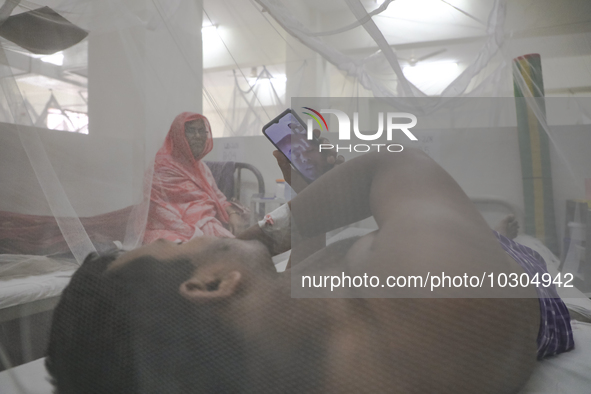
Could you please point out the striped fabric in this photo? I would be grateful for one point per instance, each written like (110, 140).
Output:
(555, 335)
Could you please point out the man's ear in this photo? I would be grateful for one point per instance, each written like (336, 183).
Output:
(204, 288)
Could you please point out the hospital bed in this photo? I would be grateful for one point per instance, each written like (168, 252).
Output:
(568, 373)
(31, 283)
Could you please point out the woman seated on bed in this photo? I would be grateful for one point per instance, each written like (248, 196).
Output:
(213, 316)
(185, 201)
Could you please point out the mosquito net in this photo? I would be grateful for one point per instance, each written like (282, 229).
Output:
(98, 101)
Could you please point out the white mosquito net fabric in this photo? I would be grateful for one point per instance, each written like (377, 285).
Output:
(89, 90)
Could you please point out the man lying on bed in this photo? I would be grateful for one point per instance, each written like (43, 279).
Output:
(212, 315)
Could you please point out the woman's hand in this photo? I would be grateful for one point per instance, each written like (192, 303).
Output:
(293, 178)
(236, 223)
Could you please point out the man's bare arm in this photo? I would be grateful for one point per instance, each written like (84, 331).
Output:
(340, 197)
(256, 233)
(425, 219)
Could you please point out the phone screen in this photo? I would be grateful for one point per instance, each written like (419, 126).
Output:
(289, 135)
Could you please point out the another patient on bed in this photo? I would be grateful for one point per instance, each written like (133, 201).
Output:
(212, 315)
(185, 201)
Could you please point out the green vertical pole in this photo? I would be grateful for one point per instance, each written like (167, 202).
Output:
(534, 151)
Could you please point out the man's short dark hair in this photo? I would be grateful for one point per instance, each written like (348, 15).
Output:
(129, 331)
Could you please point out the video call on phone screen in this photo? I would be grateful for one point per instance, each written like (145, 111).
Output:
(290, 137)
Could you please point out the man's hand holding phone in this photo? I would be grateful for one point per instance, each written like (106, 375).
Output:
(325, 160)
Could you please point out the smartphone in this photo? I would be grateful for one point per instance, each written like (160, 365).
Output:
(289, 135)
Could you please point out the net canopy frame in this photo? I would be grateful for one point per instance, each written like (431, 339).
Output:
(124, 70)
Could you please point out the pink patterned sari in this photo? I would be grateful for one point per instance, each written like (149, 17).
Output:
(185, 201)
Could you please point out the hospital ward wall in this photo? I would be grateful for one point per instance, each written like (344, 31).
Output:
(96, 174)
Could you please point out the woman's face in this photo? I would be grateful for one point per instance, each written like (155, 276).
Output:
(197, 134)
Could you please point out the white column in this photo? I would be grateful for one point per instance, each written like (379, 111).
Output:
(313, 79)
(142, 72)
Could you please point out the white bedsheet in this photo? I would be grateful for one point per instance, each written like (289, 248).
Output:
(567, 373)
(25, 279)
(31, 378)
(23, 290)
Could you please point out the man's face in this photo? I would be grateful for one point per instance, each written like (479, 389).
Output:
(197, 134)
(306, 157)
(243, 255)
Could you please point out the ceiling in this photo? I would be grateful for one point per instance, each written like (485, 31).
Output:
(254, 38)
(247, 36)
